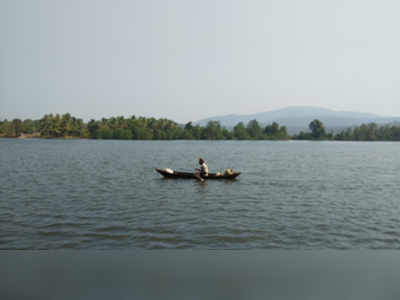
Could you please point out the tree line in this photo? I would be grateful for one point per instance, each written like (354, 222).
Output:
(141, 128)
(137, 128)
(364, 132)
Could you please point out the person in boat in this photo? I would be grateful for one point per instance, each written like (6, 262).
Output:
(203, 171)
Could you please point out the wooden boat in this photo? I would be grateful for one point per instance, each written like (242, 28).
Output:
(187, 175)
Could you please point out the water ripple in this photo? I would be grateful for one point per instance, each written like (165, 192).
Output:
(106, 195)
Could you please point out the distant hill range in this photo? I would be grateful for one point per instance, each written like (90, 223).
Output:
(297, 118)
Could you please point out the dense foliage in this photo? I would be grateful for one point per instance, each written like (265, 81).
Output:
(370, 132)
(318, 132)
(365, 132)
(17, 127)
(138, 128)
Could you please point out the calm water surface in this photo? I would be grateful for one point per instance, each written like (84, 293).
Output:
(106, 195)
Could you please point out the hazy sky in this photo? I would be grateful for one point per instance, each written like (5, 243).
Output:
(188, 60)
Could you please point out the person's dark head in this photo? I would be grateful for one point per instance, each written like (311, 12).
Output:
(201, 161)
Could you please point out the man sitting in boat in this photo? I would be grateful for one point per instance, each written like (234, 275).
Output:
(203, 168)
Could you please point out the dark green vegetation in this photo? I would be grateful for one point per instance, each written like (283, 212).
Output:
(140, 128)
(50, 126)
(365, 132)
(137, 128)
(318, 132)
(370, 132)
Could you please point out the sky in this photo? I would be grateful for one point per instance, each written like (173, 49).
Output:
(188, 60)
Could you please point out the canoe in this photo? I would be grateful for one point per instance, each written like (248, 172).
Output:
(187, 175)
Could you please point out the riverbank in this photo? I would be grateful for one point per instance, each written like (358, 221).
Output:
(37, 136)
(140, 128)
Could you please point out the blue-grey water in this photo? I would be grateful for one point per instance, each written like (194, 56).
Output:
(93, 194)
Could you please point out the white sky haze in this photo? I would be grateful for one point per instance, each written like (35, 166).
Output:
(188, 60)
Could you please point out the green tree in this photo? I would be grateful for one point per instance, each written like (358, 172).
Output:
(254, 130)
(317, 129)
(28, 126)
(122, 134)
(213, 131)
(282, 133)
(228, 135)
(17, 126)
(140, 133)
(187, 135)
(56, 125)
(196, 132)
(93, 127)
(240, 132)
(189, 126)
(272, 129)
(303, 136)
(105, 133)
(3, 127)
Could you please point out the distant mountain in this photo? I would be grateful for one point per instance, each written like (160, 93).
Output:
(297, 118)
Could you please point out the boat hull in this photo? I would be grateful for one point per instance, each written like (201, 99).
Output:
(187, 175)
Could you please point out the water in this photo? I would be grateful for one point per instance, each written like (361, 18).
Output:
(92, 194)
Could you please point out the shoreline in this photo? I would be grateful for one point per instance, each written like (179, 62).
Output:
(214, 140)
